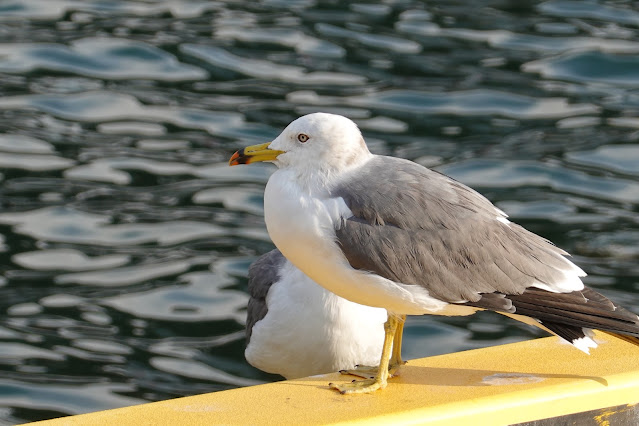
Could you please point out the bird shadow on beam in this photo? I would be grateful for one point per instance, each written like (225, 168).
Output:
(446, 376)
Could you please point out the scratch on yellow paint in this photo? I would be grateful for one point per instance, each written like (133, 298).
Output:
(602, 419)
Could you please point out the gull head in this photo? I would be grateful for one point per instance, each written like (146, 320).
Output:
(315, 142)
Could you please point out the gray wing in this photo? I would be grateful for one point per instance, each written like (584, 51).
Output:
(261, 276)
(416, 226)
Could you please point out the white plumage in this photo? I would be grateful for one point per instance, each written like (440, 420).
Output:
(308, 330)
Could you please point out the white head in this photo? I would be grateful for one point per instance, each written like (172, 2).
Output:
(320, 138)
(319, 143)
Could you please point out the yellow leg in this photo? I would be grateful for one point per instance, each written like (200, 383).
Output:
(396, 357)
(369, 371)
(380, 379)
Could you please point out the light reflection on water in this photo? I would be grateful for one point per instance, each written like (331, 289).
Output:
(125, 238)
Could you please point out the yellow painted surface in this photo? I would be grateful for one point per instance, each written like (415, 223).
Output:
(494, 386)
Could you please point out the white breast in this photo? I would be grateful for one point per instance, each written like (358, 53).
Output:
(303, 229)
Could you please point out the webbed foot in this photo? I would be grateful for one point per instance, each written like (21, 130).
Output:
(360, 386)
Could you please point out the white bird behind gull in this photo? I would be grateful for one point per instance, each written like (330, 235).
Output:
(297, 328)
(386, 232)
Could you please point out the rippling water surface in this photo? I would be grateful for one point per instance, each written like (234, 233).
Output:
(125, 238)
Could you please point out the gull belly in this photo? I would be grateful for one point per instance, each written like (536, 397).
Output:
(303, 229)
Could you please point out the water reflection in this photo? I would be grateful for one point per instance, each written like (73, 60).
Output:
(125, 238)
(104, 58)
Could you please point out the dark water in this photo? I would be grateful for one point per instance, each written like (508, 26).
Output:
(125, 238)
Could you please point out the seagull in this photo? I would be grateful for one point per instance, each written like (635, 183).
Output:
(297, 328)
(386, 232)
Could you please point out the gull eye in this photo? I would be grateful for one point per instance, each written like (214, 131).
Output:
(302, 137)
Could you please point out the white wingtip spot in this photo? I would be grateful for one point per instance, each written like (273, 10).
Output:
(584, 344)
(500, 212)
(571, 282)
(502, 219)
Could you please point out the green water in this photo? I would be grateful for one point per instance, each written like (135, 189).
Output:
(125, 238)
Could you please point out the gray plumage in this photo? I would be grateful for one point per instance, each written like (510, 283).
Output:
(261, 276)
(416, 226)
(421, 227)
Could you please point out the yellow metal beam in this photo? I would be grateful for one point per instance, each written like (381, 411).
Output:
(501, 385)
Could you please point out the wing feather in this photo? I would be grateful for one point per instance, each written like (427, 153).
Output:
(263, 273)
(416, 226)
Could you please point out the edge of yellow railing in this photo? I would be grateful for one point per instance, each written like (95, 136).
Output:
(502, 385)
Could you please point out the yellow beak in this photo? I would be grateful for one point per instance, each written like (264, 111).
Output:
(254, 153)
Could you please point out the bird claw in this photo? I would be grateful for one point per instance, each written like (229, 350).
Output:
(363, 371)
(359, 386)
